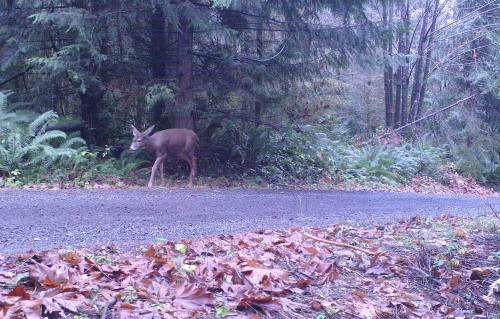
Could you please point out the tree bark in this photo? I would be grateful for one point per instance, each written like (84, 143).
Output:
(405, 45)
(158, 56)
(427, 62)
(89, 110)
(388, 70)
(260, 54)
(184, 103)
(385, 57)
(419, 64)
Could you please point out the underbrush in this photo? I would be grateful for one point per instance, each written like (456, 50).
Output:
(229, 155)
(292, 160)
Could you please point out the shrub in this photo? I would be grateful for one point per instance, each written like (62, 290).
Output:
(391, 164)
(26, 148)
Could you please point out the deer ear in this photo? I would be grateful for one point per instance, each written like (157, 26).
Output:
(134, 130)
(149, 130)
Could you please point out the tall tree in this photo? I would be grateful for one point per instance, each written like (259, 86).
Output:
(99, 62)
(387, 46)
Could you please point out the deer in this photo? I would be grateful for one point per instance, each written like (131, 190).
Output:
(177, 142)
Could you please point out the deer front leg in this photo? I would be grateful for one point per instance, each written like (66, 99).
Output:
(159, 161)
(161, 172)
(192, 174)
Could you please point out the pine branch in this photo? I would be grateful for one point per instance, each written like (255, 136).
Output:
(16, 76)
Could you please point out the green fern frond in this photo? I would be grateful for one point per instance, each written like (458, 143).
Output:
(42, 121)
(49, 136)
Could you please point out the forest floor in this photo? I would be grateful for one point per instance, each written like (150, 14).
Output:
(443, 267)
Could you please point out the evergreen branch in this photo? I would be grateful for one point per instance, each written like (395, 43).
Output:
(16, 76)
(268, 59)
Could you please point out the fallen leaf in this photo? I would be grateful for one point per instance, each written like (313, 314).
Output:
(19, 291)
(454, 281)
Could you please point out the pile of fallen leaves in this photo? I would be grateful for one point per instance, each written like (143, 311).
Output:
(418, 268)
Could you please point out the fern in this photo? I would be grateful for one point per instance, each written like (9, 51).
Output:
(42, 121)
(397, 164)
(25, 146)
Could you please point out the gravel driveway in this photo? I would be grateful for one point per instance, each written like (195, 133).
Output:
(33, 219)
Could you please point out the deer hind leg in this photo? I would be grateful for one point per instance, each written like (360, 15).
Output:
(191, 159)
(158, 163)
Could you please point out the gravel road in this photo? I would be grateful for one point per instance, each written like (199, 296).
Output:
(34, 219)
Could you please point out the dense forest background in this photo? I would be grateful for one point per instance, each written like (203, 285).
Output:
(326, 92)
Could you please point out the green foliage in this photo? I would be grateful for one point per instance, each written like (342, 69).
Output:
(269, 71)
(25, 146)
(158, 93)
(471, 53)
(472, 145)
(307, 157)
(390, 164)
(221, 312)
(98, 166)
(268, 155)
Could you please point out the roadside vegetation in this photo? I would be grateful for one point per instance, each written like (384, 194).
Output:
(324, 94)
(32, 157)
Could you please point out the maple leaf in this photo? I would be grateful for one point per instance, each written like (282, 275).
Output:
(382, 269)
(327, 271)
(19, 291)
(70, 300)
(31, 308)
(50, 276)
(160, 290)
(211, 268)
(266, 303)
(291, 306)
(257, 274)
(192, 297)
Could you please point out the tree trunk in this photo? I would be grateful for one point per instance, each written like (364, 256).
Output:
(423, 87)
(388, 70)
(184, 103)
(419, 64)
(158, 56)
(405, 45)
(93, 132)
(398, 79)
(260, 54)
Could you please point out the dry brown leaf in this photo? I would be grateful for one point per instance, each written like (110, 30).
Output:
(19, 291)
(73, 258)
(31, 308)
(454, 281)
(191, 297)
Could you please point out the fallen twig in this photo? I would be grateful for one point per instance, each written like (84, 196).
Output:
(106, 307)
(339, 244)
(351, 314)
(424, 117)
(495, 212)
(426, 275)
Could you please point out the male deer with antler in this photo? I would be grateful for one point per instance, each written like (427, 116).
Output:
(172, 142)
